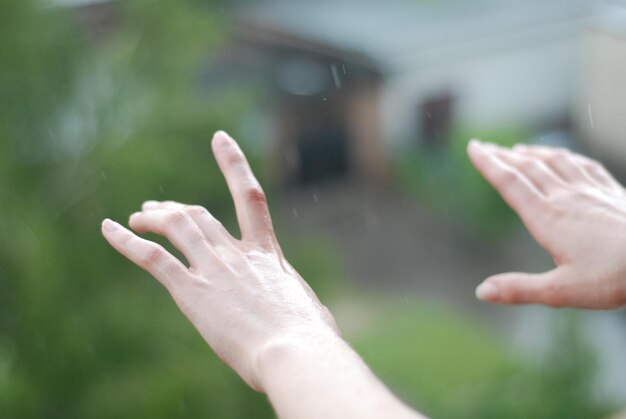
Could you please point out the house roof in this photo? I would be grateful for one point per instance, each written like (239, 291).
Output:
(401, 34)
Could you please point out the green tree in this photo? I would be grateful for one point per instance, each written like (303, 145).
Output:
(88, 131)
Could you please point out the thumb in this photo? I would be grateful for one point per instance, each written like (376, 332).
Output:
(522, 288)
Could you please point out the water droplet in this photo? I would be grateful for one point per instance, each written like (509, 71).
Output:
(590, 115)
(333, 70)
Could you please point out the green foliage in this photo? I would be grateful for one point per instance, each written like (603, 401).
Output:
(317, 260)
(449, 366)
(37, 67)
(446, 180)
(88, 133)
(91, 131)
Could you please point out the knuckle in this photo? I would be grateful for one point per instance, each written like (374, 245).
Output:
(236, 158)
(616, 299)
(196, 210)
(218, 224)
(599, 169)
(170, 269)
(553, 295)
(513, 295)
(507, 177)
(556, 207)
(590, 164)
(527, 164)
(559, 198)
(124, 238)
(153, 256)
(555, 302)
(255, 194)
(620, 301)
(195, 236)
(557, 156)
(593, 166)
(176, 218)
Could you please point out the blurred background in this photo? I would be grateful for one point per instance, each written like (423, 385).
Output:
(355, 115)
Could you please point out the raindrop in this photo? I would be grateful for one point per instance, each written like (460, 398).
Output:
(104, 176)
(295, 212)
(161, 189)
(333, 69)
(315, 198)
(590, 115)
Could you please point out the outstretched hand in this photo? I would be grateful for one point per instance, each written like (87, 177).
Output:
(241, 295)
(575, 210)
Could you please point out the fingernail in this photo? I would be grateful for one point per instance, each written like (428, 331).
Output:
(474, 143)
(109, 225)
(487, 291)
(221, 137)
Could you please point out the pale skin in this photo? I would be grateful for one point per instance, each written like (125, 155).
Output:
(255, 311)
(575, 210)
(263, 320)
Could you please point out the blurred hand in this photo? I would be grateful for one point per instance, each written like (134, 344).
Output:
(575, 210)
(241, 295)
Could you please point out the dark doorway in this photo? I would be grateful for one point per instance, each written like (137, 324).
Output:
(436, 113)
(323, 151)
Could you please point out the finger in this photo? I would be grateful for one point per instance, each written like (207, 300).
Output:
(519, 193)
(169, 205)
(250, 201)
(537, 172)
(524, 288)
(560, 287)
(148, 255)
(589, 168)
(597, 172)
(215, 232)
(180, 230)
(560, 160)
(153, 204)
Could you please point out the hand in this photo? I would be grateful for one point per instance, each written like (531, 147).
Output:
(575, 210)
(241, 295)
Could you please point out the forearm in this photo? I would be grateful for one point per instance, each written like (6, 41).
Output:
(325, 379)
(251, 307)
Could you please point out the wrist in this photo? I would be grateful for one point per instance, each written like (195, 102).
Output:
(288, 357)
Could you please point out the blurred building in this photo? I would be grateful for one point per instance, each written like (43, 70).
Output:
(353, 79)
(349, 83)
(602, 100)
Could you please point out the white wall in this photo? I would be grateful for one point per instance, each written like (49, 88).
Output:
(601, 108)
(522, 86)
